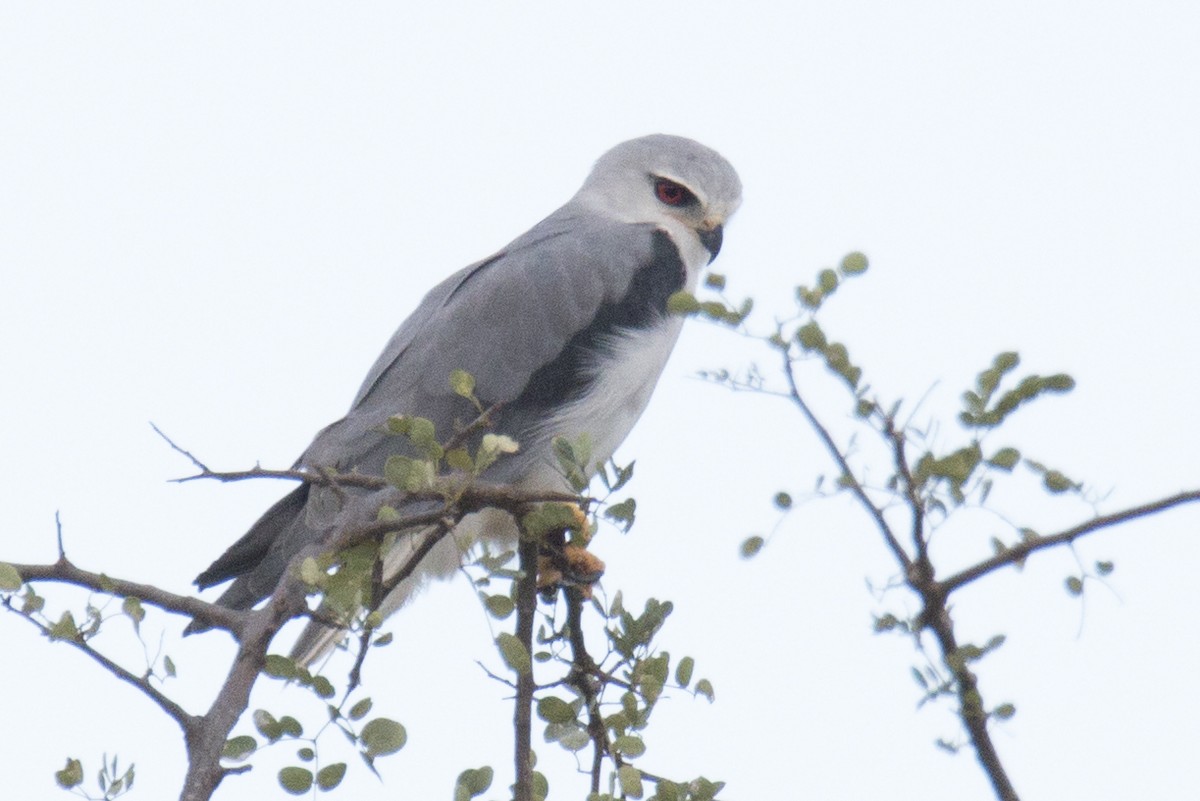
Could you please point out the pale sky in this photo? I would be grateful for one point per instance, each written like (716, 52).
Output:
(214, 215)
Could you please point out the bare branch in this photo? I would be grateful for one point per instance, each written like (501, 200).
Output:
(142, 683)
(324, 478)
(970, 710)
(199, 465)
(64, 572)
(583, 678)
(1021, 550)
(835, 452)
(900, 461)
(527, 554)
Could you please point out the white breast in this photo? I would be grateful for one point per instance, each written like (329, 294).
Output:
(625, 370)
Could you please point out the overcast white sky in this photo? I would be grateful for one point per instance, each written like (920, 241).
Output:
(213, 215)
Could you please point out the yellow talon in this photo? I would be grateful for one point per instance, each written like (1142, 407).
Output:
(571, 563)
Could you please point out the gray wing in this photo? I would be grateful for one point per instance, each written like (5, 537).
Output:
(502, 320)
(521, 322)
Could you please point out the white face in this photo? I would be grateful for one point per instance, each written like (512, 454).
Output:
(668, 181)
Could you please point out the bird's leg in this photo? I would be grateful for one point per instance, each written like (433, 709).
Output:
(565, 559)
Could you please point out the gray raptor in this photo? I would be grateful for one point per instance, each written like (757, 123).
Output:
(566, 328)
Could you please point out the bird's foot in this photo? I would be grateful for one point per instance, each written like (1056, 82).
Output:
(567, 561)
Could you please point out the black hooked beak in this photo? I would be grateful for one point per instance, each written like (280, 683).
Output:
(711, 239)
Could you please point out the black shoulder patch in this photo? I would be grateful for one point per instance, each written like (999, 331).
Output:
(644, 303)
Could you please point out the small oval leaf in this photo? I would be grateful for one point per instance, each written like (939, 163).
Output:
(383, 736)
(330, 776)
(295, 780)
(238, 748)
(514, 653)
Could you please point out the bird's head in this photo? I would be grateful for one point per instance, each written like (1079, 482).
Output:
(672, 182)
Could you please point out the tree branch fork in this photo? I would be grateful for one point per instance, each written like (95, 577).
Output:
(253, 630)
(920, 575)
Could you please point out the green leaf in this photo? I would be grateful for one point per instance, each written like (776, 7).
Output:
(513, 651)
(1056, 482)
(555, 710)
(291, 727)
(462, 383)
(622, 513)
(751, 546)
(1004, 711)
(1059, 382)
(132, 608)
(460, 459)
(31, 602)
(629, 746)
(683, 671)
(408, 474)
(827, 281)
(383, 736)
(714, 281)
(266, 724)
(306, 754)
(169, 666)
(491, 448)
(1074, 585)
(475, 781)
(360, 710)
(682, 302)
(1104, 568)
(330, 776)
(238, 748)
(65, 628)
(498, 606)
(853, 264)
(323, 687)
(10, 579)
(630, 779)
(279, 667)
(811, 337)
(295, 780)
(1005, 458)
(311, 573)
(783, 500)
(549, 517)
(420, 431)
(540, 787)
(71, 775)
(704, 687)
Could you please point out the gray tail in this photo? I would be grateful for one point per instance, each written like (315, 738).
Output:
(258, 559)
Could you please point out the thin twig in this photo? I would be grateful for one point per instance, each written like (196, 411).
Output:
(199, 465)
(827, 439)
(582, 677)
(65, 572)
(177, 713)
(970, 711)
(1021, 550)
(912, 498)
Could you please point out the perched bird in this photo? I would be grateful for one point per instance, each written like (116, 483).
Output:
(566, 328)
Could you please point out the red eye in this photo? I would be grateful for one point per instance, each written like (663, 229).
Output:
(673, 194)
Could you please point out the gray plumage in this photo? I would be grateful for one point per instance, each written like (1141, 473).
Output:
(566, 327)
